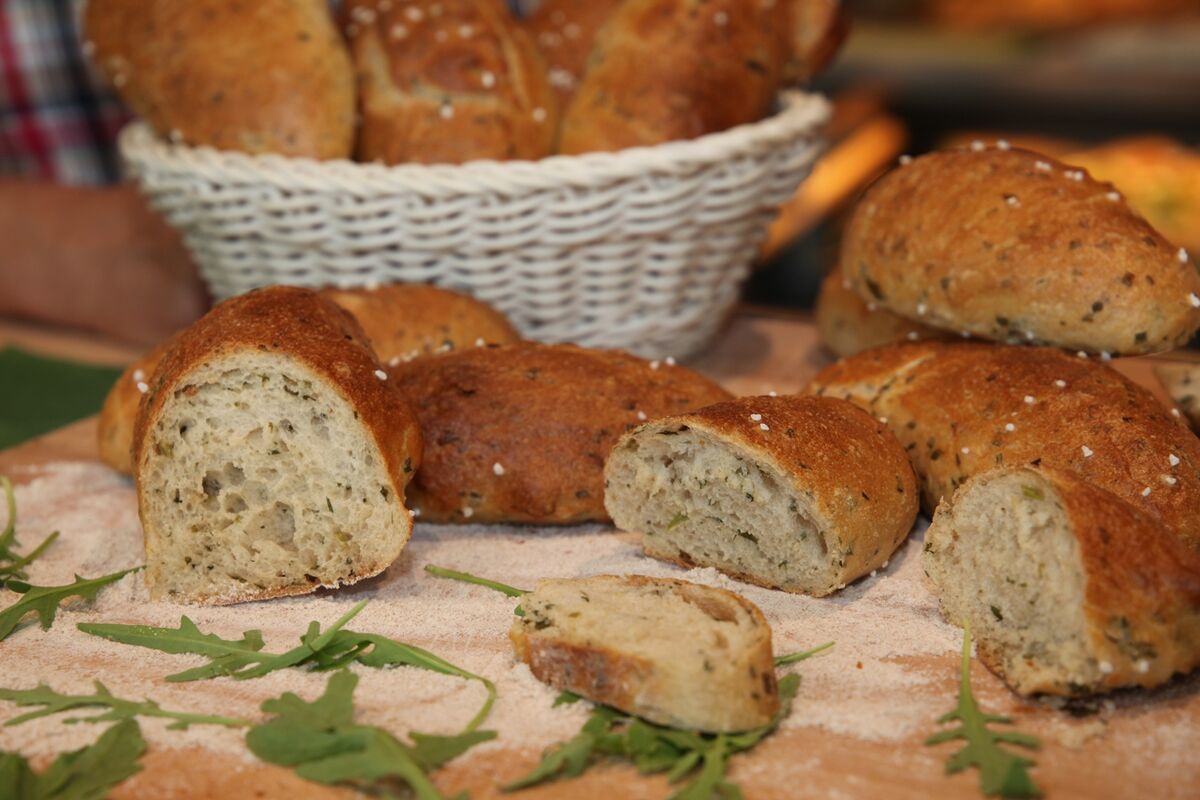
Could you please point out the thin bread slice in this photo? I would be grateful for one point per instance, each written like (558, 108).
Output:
(271, 455)
(1068, 589)
(803, 494)
(672, 652)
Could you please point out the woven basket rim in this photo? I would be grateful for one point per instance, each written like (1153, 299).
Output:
(799, 113)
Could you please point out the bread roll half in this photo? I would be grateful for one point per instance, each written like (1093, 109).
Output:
(1068, 589)
(803, 494)
(672, 652)
(849, 325)
(271, 455)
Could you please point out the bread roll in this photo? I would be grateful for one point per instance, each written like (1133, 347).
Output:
(803, 494)
(114, 427)
(1068, 589)
(271, 76)
(663, 70)
(271, 454)
(1016, 247)
(448, 81)
(564, 32)
(849, 325)
(520, 433)
(671, 652)
(404, 321)
(1182, 382)
(817, 29)
(963, 409)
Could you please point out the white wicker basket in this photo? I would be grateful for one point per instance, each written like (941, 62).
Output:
(645, 249)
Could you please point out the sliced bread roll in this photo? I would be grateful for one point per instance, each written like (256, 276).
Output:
(1068, 589)
(963, 409)
(271, 455)
(803, 494)
(448, 81)
(1182, 382)
(672, 652)
(520, 433)
(1016, 247)
(849, 325)
(114, 426)
(404, 321)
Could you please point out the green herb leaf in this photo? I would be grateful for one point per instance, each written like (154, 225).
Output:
(323, 744)
(654, 748)
(44, 600)
(566, 699)
(118, 709)
(85, 774)
(1001, 773)
(676, 521)
(12, 565)
(783, 661)
(442, 572)
(228, 655)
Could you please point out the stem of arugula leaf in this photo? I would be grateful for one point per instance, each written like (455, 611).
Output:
(442, 572)
(781, 661)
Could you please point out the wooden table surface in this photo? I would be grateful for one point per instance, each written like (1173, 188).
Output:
(1099, 757)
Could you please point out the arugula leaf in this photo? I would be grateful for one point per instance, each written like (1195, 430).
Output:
(323, 744)
(783, 661)
(654, 748)
(44, 600)
(243, 658)
(12, 565)
(118, 709)
(85, 774)
(504, 588)
(1001, 773)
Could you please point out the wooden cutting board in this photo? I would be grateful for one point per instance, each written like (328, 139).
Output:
(1142, 746)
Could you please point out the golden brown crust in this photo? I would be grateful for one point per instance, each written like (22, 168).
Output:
(325, 338)
(1182, 382)
(548, 415)
(849, 325)
(564, 32)
(716, 64)
(631, 682)
(963, 409)
(817, 30)
(271, 76)
(1013, 246)
(857, 477)
(461, 84)
(403, 321)
(114, 428)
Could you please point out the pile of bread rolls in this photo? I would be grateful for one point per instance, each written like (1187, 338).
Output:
(451, 81)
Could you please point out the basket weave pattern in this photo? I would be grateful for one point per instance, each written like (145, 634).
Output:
(645, 249)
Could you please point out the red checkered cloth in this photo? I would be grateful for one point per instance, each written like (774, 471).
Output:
(58, 120)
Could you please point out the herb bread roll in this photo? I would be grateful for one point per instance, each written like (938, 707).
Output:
(1016, 247)
(963, 409)
(271, 454)
(672, 652)
(564, 32)
(816, 29)
(519, 433)
(271, 76)
(663, 70)
(1182, 382)
(803, 494)
(849, 325)
(114, 427)
(1067, 588)
(448, 81)
(404, 321)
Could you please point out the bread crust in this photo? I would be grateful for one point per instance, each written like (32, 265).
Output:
(404, 321)
(636, 684)
(1141, 599)
(849, 325)
(564, 32)
(271, 76)
(817, 29)
(856, 476)
(1182, 382)
(951, 406)
(548, 415)
(1013, 246)
(114, 427)
(718, 64)
(326, 339)
(462, 84)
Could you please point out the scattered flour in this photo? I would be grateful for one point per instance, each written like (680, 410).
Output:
(862, 687)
